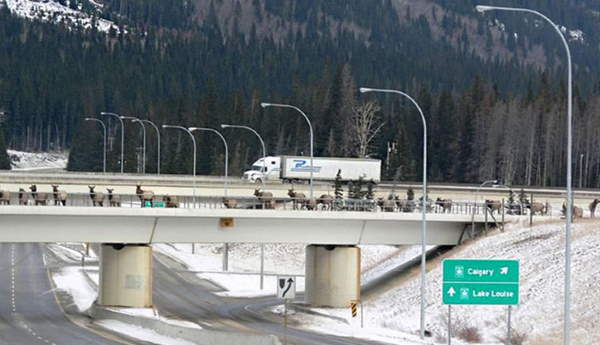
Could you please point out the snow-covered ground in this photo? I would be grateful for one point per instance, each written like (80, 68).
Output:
(243, 280)
(539, 317)
(54, 12)
(141, 333)
(20, 160)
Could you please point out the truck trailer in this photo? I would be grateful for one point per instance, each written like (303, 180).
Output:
(297, 168)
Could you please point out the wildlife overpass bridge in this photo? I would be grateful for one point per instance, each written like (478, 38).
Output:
(332, 257)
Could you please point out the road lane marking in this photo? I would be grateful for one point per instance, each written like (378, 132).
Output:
(12, 297)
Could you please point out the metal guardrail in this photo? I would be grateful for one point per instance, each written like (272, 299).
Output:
(272, 203)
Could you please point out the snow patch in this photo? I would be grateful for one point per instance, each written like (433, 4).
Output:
(73, 281)
(20, 160)
(141, 333)
(54, 12)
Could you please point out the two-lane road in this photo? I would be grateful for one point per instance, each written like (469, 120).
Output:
(178, 297)
(29, 312)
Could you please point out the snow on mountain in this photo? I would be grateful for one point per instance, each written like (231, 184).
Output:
(37, 160)
(55, 12)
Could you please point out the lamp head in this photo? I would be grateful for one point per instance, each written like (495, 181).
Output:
(225, 126)
(264, 105)
(89, 119)
(483, 8)
(191, 129)
(165, 126)
(365, 89)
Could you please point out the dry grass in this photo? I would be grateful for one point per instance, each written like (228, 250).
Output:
(516, 338)
(470, 334)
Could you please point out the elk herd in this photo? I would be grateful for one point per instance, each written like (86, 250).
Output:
(97, 198)
(296, 201)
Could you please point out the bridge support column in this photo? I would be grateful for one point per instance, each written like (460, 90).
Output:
(332, 275)
(125, 275)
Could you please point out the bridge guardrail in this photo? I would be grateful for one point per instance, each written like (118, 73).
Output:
(274, 203)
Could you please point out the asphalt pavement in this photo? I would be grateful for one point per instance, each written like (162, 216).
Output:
(30, 314)
(189, 298)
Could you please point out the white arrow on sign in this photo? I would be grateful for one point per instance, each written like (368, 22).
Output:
(451, 292)
(504, 270)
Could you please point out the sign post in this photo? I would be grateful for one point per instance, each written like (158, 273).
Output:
(286, 290)
(480, 282)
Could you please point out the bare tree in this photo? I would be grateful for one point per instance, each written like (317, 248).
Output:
(364, 126)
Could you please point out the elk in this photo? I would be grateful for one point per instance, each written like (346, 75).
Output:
(229, 203)
(23, 200)
(577, 211)
(4, 197)
(326, 200)
(493, 205)
(387, 205)
(60, 196)
(445, 204)
(592, 207)
(39, 198)
(97, 197)
(537, 207)
(298, 199)
(114, 200)
(265, 198)
(170, 201)
(144, 195)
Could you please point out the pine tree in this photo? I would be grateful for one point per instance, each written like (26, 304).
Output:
(4, 159)
(339, 190)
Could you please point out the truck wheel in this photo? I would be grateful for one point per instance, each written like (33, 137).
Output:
(258, 181)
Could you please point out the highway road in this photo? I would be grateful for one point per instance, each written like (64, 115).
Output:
(213, 186)
(30, 314)
(183, 296)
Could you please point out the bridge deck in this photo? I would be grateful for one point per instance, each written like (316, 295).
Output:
(157, 225)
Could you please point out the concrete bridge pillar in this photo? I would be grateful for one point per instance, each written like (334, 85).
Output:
(125, 275)
(332, 275)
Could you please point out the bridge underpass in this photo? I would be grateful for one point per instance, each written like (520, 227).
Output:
(332, 262)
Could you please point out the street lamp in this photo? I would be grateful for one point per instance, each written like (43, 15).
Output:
(226, 150)
(122, 136)
(194, 142)
(264, 150)
(424, 202)
(158, 146)
(104, 140)
(135, 119)
(264, 105)
(476, 198)
(567, 308)
(262, 245)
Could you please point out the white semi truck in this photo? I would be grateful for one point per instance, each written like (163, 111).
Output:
(297, 168)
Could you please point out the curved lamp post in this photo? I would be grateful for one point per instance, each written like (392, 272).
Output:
(475, 203)
(423, 204)
(136, 120)
(157, 146)
(265, 105)
(264, 150)
(262, 245)
(104, 140)
(567, 307)
(194, 142)
(122, 136)
(226, 151)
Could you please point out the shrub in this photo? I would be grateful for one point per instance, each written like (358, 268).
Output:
(469, 334)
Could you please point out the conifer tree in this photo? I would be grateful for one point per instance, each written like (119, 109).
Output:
(339, 191)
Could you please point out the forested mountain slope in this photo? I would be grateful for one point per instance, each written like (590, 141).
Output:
(490, 85)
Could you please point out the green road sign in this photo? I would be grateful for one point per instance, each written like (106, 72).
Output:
(480, 282)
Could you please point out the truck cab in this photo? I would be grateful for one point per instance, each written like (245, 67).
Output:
(260, 172)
